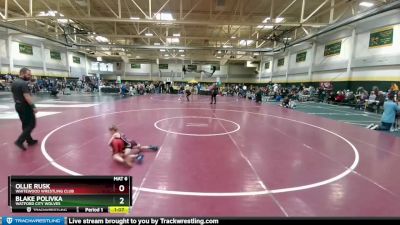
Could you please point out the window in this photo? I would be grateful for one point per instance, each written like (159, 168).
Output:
(95, 66)
(106, 67)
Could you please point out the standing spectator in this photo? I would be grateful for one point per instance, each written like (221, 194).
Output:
(25, 108)
(198, 88)
(188, 91)
(258, 96)
(214, 93)
(79, 85)
(394, 88)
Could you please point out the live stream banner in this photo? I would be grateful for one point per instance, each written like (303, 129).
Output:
(105, 221)
(19, 220)
(139, 221)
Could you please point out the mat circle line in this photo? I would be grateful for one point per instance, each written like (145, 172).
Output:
(212, 194)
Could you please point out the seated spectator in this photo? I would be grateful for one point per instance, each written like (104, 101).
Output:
(361, 98)
(350, 97)
(340, 97)
(380, 98)
(372, 97)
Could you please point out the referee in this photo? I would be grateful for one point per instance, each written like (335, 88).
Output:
(25, 108)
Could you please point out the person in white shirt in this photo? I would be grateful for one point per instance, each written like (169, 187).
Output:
(187, 91)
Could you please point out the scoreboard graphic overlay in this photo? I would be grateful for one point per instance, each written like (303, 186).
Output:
(86, 194)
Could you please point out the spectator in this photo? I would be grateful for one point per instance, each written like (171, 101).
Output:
(388, 116)
(394, 88)
(340, 97)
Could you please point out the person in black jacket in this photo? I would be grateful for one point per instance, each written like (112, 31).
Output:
(25, 108)
(258, 95)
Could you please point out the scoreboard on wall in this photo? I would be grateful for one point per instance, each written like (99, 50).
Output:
(75, 194)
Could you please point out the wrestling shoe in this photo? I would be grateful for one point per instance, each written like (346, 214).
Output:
(139, 159)
(154, 148)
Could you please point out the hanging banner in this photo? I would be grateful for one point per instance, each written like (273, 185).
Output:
(25, 49)
(55, 55)
(76, 59)
(382, 37)
(333, 48)
(301, 57)
(163, 66)
(135, 66)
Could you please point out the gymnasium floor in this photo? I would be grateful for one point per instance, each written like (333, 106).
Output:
(234, 158)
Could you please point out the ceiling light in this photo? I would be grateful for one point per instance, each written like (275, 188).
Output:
(166, 55)
(218, 57)
(63, 21)
(48, 13)
(134, 18)
(182, 55)
(176, 35)
(52, 13)
(148, 34)
(266, 20)
(279, 19)
(156, 43)
(233, 37)
(99, 59)
(162, 50)
(101, 39)
(246, 42)
(172, 40)
(181, 50)
(227, 46)
(256, 53)
(264, 27)
(366, 4)
(164, 16)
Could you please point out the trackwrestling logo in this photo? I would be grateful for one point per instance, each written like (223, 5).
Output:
(33, 220)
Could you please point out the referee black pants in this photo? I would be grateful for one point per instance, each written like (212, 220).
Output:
(213, 98)
(28, 120)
